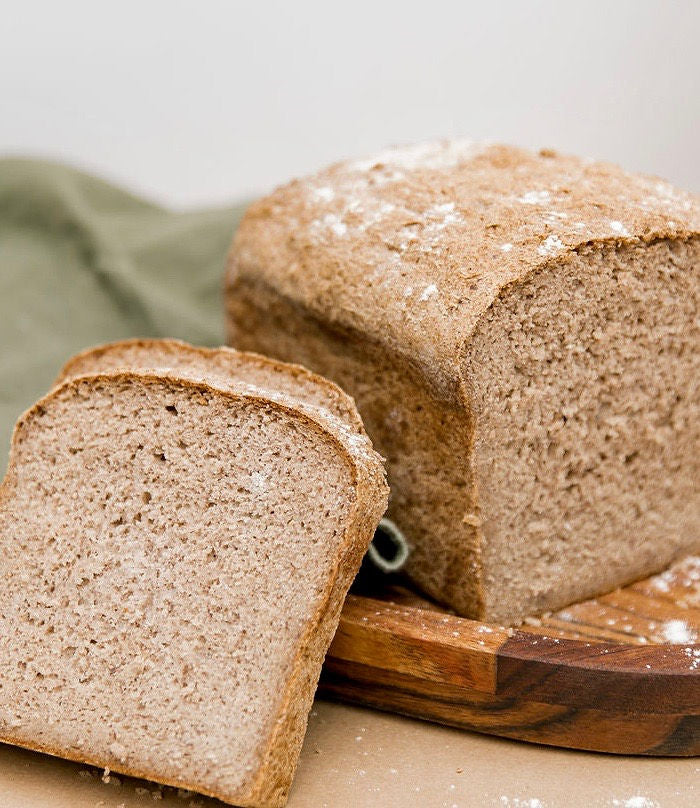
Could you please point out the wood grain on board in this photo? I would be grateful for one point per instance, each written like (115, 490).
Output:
(619, 673)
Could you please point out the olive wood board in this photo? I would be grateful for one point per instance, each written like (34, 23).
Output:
(619, 673)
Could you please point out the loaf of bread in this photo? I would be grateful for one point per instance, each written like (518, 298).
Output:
(519, 331)
(177, 542)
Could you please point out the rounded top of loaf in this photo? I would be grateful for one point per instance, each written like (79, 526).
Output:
(412, 245)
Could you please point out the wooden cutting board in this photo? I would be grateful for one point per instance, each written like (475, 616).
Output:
(620, 673)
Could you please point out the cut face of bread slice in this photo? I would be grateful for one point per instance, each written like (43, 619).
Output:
(174, 558)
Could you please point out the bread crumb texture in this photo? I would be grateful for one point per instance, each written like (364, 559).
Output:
(175, 555)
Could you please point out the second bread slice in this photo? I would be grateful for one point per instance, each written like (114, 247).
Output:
(176, 551)
(224, 366)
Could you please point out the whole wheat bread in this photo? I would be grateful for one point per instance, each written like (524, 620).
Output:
(520, 333)
(176, 548)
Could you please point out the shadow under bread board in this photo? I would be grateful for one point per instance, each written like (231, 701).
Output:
(619, 673)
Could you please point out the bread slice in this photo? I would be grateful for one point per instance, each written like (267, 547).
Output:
(230, 367)
(519, 331)
(175, 554)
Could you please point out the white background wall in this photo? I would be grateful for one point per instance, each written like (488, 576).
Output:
(203, 102)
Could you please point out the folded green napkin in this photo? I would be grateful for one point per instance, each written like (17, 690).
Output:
(83, 262)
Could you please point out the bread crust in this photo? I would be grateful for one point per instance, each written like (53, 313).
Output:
(279, 752)
(541, 206)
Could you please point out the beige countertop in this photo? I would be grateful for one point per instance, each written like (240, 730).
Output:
(354, 758)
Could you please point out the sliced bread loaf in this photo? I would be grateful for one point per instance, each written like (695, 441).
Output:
(175, 554)
(520, 334)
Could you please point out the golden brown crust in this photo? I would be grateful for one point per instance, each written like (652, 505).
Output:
(412, 246)
(279, 753)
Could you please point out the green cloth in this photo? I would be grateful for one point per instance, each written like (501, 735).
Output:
(83, 262)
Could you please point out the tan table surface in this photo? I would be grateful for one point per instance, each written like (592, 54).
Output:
(354, 758)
